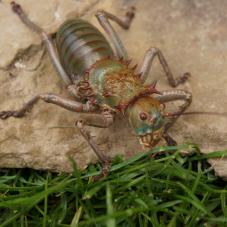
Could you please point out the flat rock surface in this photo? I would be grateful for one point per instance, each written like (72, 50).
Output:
(192, 36)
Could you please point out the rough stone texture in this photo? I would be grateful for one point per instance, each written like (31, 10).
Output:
(191, 34)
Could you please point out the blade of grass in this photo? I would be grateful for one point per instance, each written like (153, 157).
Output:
(45, 203)
(215, 154)
(110, 210)
(223, 203)
(76, 217)
(194, 200)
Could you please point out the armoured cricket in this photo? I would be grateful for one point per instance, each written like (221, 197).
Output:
(101, 79)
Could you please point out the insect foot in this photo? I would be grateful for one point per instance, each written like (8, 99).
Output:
(16, 7)
(130, 14)
(183, 78)
(169, 140)
(6, 114)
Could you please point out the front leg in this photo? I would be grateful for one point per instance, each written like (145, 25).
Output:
(49, 98)
(145, 67)
(169, 140)
(174, 95)
(104, 120)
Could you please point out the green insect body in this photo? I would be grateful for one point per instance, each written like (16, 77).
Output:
(87, 56)
(116, 85)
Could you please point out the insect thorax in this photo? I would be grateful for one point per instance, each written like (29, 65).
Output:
(114, 83)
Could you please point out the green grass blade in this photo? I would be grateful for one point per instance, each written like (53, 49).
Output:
(110, 210)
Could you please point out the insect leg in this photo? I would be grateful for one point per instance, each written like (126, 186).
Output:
(49, 98)
(102, 120)
(169, 140)
(147, 63)
(104, 17)
(175, 95)
(45, 38)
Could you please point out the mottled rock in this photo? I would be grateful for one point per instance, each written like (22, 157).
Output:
(192, 36)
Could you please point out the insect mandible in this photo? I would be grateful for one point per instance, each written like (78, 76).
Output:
(99, 76)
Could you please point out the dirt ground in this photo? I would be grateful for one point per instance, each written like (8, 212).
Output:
(192, 36)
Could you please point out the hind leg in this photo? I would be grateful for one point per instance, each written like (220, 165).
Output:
(46, 40)
(147, 63)
(104, 17)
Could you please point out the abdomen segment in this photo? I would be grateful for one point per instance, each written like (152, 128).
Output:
(80, 45)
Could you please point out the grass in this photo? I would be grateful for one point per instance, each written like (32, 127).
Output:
(170, 190)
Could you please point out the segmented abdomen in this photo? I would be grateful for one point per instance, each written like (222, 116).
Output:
(80, 45)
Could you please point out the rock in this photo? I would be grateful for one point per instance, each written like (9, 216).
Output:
(191, 35)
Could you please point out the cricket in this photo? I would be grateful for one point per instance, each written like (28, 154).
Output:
(98, 73)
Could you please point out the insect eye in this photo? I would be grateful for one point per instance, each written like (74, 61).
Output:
(143, 116)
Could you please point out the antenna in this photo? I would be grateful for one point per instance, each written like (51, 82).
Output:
(222, 114)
